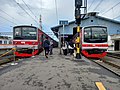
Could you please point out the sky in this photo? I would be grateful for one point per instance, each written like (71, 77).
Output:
(12, 14)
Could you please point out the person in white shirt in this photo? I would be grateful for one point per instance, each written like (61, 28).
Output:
(64, 48)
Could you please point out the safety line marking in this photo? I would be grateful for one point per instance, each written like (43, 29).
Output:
(100, 85)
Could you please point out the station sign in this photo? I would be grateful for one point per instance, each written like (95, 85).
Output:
(63, 22)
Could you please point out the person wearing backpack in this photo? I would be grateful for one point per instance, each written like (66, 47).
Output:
(46, 45)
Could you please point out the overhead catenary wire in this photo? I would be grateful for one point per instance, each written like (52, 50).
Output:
(25, 11)
(29, 8)
(97, 5)
(8, 15)
(17, 13)
(8, 20)
(116, 17)
(2, 22)
(111, 8)
(91, 4)
(4, 27)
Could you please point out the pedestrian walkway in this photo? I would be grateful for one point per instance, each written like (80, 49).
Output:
(57, 72)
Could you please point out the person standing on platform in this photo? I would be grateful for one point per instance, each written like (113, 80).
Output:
(46, 45)
(71, 47)
(51, 47)
(64, 48)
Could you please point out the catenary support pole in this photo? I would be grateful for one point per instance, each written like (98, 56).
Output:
(59, 36)
(78, 4)
(78, 54)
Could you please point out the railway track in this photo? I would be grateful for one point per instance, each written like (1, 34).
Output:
(110, 63)
(6, 56)
(112, 59)
(7, 59)
(114, 55)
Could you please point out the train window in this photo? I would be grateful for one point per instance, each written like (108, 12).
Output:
(29, 33)
(5, 42)
(44, 37)
(0, 42)
(87, 33)
(25, 33)
(98, 33)
(10, 42)
(95, 34)
(17, 32)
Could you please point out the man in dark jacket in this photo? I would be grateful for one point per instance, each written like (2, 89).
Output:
(46, 45)
(71, 47)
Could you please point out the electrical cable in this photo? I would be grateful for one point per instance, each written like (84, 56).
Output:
(116, 17)
(111, 8)
(29, 8)
(8, 15)
(91, 4)
(97, 5)
(25, 11)
(8, 20)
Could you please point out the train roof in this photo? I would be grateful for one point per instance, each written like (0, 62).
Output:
(24, 26)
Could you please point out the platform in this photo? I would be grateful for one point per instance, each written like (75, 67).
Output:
(58, 72)
(7, 46)
(113, 51)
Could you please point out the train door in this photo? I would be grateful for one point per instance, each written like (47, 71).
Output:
(42, 39)
(117, 46)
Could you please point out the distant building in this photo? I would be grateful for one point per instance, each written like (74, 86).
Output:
(5, 40)
(6, 34)
(115, 38)
(90, 19)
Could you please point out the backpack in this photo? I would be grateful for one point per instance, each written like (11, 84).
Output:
(46, 43)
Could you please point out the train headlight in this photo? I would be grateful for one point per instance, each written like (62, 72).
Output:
(22, 42)
(94, 45)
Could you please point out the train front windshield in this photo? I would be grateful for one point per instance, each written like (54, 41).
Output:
(25, 33)
(95, 34)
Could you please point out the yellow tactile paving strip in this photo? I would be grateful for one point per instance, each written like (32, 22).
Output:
(100, 85)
